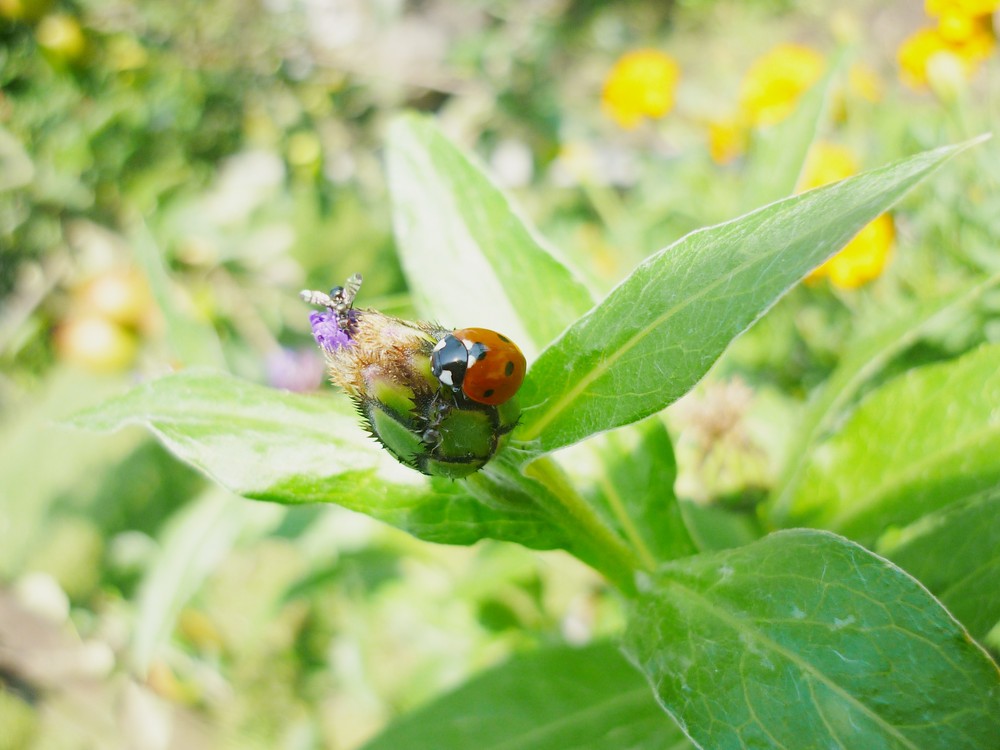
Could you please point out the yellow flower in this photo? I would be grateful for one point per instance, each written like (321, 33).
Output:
(61, 37)
(962, 39)
(938, 8)
(641, 84)
(727, 139)
(957, 27)
(95, 343)
(827, 162)
(915, 54)
(927, 49)
(773, 85)
(864, 83)
(863, 258)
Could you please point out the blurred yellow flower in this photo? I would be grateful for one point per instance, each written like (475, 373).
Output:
(125, 53)
(95, 343)
(863, 258)
(121, 295)
(641, 84)
(953, 49)
(956, 27)
(927, 48)
(727, 139)
(864, 83)
(937, 8)
(774, 83)
(827, 162)
(61, 37)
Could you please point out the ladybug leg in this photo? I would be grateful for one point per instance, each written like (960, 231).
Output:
(431, 435)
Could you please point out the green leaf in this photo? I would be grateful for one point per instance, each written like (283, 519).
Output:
(916, 444)
(586, 699)
(471, 260)
(955, 552)
(635, 489)
(717, 527)
(862, 361)
(806, 640)
(270, 445)
(659, 331)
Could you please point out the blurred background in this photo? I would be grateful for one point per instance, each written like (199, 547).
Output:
(172, 173)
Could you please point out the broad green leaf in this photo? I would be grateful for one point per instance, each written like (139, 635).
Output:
(916, 444)
(470, 258)
(659, 331)
(955, 552)
(270, 445)
(635, 490)
(859, 364)
(585, 699)
(806, 640)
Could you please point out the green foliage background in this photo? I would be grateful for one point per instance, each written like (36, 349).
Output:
(229, 154)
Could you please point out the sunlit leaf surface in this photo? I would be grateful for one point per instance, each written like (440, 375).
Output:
(922, 441)
(659, 331)
(806, 640)
(271, 445)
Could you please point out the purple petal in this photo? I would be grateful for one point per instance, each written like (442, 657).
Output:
(326, 331)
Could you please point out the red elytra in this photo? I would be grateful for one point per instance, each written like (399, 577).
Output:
(496, 366)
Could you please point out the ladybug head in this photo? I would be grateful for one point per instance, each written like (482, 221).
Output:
(449, 361)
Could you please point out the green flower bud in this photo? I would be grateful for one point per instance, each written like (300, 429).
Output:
(383, 364)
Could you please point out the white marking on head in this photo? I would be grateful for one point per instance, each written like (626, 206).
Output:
(445, 377)
(439, 345)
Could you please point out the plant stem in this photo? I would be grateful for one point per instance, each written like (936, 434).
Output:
(628, 525)
(620, 561)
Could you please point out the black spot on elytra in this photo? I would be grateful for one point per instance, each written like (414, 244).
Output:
(487, 393)
(503, 338)
(509, 369)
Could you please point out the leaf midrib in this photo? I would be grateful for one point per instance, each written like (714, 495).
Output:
(605, 363)
(741, 626)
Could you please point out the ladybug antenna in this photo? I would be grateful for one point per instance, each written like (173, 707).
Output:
(340, 299)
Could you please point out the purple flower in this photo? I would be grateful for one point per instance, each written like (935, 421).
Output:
(326, 331)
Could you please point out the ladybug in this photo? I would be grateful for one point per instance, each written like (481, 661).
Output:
(484, 365)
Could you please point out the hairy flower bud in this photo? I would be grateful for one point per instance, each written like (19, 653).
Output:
(383, 364)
